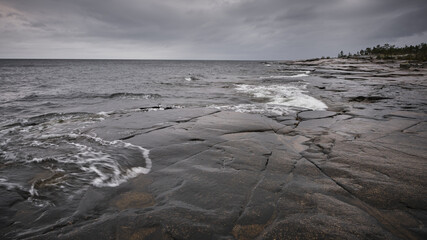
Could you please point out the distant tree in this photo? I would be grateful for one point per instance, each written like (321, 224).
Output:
(388, 51)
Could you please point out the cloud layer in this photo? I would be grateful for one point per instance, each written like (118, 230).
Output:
(205, 29)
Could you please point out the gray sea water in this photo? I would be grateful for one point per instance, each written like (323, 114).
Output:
(46, 156)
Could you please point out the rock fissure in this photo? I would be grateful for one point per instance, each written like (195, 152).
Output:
(387, 224)
(249, 197)
(252, 131)
(376, 214)
(193, 155)
(266, 161)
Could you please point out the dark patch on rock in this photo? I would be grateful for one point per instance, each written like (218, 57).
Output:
(368, 99)
(337, 90)
(355, 79)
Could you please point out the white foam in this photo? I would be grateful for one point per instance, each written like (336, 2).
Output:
(9, 185)
(98, 165)
(100, 160)
(105, 114)
(105, 168)
(36, 160)
(284, 95)
(242, 108)
(286, 76)
(119, 177)
(299, 75)
(303, 74)
(33, 192)
(254, 108)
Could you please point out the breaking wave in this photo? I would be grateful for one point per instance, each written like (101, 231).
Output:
(49, 155)
(285, 95)
(275, 99)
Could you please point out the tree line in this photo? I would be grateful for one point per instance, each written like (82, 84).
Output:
(387, 51)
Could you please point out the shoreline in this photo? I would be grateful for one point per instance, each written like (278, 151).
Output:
(354, 171)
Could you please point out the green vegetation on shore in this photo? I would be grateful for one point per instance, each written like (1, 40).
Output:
(387, 51)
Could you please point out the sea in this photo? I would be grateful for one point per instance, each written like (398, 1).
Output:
(46, 156)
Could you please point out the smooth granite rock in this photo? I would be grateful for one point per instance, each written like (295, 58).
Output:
(315, 114)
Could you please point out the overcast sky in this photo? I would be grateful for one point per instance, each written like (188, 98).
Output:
(205, 29)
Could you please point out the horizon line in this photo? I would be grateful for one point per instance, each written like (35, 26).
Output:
(154, 59)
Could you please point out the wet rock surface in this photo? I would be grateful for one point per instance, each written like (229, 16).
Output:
(315, 114)
(356, 171)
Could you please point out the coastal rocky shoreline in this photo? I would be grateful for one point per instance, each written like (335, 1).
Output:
(355, 171)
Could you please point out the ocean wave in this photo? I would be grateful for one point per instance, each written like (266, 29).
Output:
(126, 95)
(8, 185)
(75, 161)
(96, 158)
(192, 77)
(52, 119)
(76, 119)
(54, 155)
(290, 96)
(81, 95)
(265, 109)
(299, 75)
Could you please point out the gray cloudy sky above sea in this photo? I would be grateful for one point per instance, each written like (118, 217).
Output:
(205, 29)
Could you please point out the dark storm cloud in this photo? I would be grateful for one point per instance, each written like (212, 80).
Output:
(229, 29)
(406, 24)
